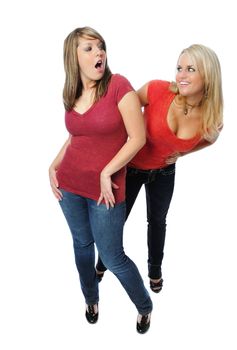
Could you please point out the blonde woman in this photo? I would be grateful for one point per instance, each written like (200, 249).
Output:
(106, 130)
(181, 117)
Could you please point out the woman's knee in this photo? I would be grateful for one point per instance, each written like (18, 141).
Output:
(115, 262)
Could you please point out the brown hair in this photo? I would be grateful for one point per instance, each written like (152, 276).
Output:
(73, 85)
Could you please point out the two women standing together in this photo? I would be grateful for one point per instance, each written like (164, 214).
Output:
(89, 176)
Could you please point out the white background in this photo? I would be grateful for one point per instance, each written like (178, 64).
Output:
(41, 305)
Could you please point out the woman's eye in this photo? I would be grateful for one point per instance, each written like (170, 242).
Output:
(179, 69)
(101, 46)
(190, 69)
(88, 48)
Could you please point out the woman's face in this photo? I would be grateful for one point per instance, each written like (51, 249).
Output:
(188, 78)
(91, 58)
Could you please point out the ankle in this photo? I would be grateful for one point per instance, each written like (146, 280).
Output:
(155, 280)
(144, 318)
(93, 309)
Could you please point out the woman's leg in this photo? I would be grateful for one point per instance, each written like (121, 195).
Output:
(159, 193)
(134, 182)
(75, 209)
(107, 226)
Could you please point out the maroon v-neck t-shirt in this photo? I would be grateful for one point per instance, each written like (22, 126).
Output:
(96, 136)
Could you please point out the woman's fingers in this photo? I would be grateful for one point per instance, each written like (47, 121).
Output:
(54, 185)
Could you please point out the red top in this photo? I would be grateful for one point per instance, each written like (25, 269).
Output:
(161, 140)
(97, 135)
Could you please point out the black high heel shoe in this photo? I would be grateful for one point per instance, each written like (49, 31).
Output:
(156, 286)
(91, 315)
(143, 323)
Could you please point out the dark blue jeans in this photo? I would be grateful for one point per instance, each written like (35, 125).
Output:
(159, 187)
(89, 224)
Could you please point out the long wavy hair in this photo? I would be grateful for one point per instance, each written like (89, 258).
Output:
(73, 85)
(212, 102)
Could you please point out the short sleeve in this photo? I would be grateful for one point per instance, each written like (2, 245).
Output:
(156, 89)
(121, 86)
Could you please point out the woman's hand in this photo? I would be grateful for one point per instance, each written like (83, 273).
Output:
(173, 158)
(106, 188)
(54, 183)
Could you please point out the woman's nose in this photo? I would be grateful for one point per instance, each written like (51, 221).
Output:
(182, 74)
(98, 52)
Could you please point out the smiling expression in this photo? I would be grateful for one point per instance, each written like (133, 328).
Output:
(189, 79)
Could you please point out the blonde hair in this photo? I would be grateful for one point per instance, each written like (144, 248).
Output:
(73, 84)
(212, 101)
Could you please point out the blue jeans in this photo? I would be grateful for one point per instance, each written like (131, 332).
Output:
(159, 187)
(89, 224)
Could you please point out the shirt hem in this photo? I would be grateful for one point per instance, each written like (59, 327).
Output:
(87, 195)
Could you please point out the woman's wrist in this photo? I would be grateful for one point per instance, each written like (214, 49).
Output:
(52, 168)
(105, 173)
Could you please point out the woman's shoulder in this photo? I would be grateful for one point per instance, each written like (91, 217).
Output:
(158, 84)
(119, 86)
(157, 88)
(119, 79)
